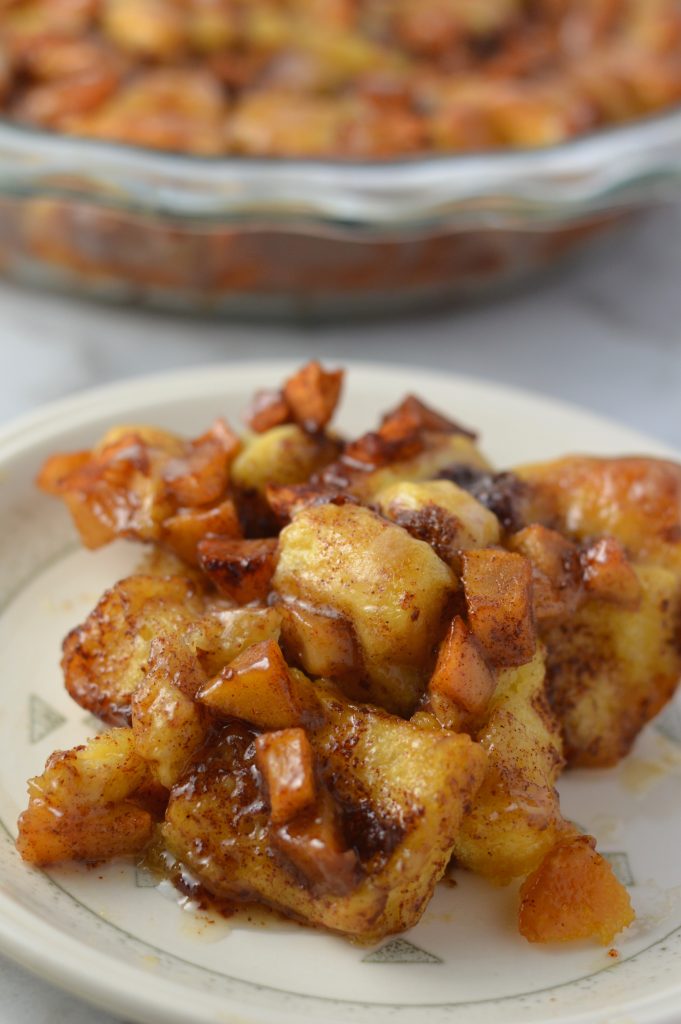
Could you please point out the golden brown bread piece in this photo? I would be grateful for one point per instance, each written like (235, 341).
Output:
(105, 659)
(390, 799)
(392, 591)
(515, 818)
(83, 806)
(616, 659)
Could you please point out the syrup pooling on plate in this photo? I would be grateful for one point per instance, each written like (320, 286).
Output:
(366, 676)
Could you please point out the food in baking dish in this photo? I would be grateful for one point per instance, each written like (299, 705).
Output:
(353, 663)
(336, 78)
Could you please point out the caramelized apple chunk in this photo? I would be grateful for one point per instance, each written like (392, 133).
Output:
(138, 477)
(286, 762)
(82, 807)
(313, 844)
(259, 688)
(608, 574)
(462, 684)
(308, 398)
(312, 395)
(182, 533)
(323, 642)
(240, 569)
(556, 570)
(572, 895)
(498, 589)
(268, 409)
(412, 416)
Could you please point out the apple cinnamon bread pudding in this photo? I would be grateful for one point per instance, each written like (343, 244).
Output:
(357, 662)
(365, 79)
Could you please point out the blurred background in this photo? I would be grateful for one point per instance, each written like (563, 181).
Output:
(487, 187)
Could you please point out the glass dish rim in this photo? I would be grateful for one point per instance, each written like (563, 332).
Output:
(619, 165)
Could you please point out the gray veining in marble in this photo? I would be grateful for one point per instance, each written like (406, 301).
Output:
(605, 334)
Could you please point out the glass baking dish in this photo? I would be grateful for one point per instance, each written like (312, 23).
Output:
(294, 237)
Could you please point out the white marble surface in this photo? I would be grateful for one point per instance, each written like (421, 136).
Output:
(605, 334)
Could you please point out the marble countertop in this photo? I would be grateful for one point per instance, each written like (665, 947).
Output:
(605, 334)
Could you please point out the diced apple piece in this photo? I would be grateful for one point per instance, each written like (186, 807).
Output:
(201, 475)
(56, 471)
(315, 846)
(412, 415)
(324, 644)
(572, 895)
(241, 569)
(182, 532)
(462, 683)
(498, 589)
(392, 589)
(308, 398)
(286, 501)
(268, 409)
(240, 628)
(556, 570)
(136, 478)
(312, 395)
(258, 687)
(286, 761)
(609, 575)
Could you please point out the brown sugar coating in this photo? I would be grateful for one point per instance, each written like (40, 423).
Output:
(336, 78)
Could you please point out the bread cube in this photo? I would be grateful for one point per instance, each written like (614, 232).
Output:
(393, 590)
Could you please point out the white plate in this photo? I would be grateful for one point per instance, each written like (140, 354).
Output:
(109, 936)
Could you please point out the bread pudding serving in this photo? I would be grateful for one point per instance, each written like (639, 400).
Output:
(350, 665)
(336, 78)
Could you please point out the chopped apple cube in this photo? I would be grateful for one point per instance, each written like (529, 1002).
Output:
(286, 761)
